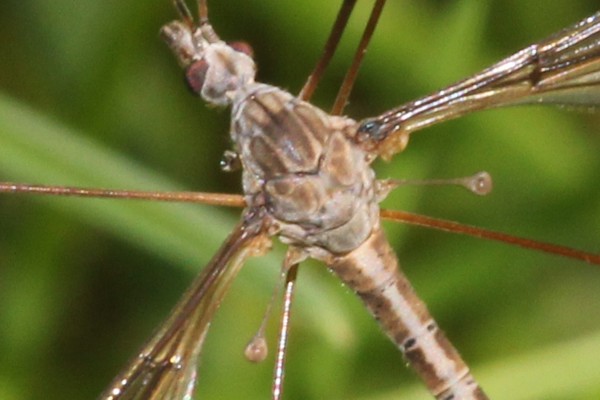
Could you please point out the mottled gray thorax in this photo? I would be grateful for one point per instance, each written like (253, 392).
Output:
(300, 164)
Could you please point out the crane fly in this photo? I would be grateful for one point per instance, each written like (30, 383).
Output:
(565, 79)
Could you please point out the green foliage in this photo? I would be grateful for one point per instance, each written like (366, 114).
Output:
(91, 97)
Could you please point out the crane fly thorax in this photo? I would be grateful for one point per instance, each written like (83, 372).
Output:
(299, 162)
(301, 165)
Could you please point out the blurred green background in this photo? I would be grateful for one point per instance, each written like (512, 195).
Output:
(90, 96)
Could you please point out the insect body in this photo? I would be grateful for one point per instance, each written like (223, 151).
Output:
(307, 179)
(307, 175)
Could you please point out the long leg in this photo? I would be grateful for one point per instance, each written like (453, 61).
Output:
(348, 82)
(329, 50)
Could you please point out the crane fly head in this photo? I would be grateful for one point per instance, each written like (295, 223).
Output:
(214, 69)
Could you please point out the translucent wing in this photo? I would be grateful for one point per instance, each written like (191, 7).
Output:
(563, 69)
(166, 366)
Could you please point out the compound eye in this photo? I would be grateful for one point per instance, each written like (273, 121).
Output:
(242, 47)
(195, 75)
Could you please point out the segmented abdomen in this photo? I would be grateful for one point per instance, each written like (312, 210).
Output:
(372, 271)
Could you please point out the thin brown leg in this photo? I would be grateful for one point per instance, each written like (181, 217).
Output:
(350, 78)
(330, 46)
(219, 199)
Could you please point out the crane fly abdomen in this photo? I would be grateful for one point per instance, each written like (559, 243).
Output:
(372, 271)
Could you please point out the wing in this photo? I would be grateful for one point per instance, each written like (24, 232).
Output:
(165, 368)
(563, 69)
